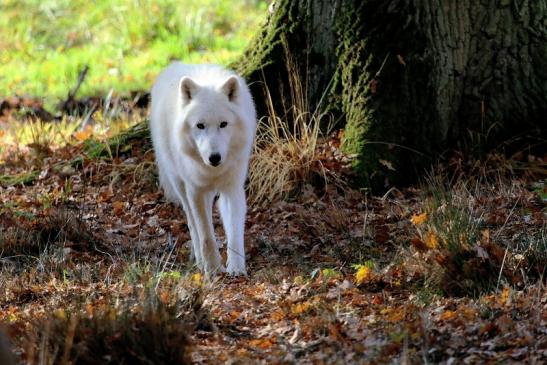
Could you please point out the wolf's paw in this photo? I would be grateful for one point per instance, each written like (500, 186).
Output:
(236, 269)
(212, 271)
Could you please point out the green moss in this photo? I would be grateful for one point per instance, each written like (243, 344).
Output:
(264, 64)
(25, 178)
(378, 93)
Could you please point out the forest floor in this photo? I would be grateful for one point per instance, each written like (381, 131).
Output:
(94, 265)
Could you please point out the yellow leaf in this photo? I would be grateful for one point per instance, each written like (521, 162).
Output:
(84, 134)
(277, 316)
(60, 313)
(393, 315)
(299, 280)
(2, 133)
(197, 278)
(363, 274)
(12, 317)
(89, 309)
(448, 315)
(469, 313)
(418, 219)
(431, 240)
(504, 296)
(300, 308)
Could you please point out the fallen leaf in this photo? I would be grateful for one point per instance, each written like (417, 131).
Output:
(489, 328)
(418, 243)
(118, 208)
(277, 316)
(504, 298)
(387, 164)
(448, 315)
(197, 278)
(83, 134)
(419, 219)
(393, 315)
(363, 274)
(505, 323)
(431, 240)
(263, 343)
(300, 308)
(485, 234)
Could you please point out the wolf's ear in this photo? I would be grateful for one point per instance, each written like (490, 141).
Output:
(188, 89)
(231, 88)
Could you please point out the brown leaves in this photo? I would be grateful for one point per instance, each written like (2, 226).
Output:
(118, 208)
(262, 343)
(333, 278)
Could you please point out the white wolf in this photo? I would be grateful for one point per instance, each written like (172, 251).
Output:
(203, 123)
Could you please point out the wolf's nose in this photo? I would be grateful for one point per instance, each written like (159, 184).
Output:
(214, 159)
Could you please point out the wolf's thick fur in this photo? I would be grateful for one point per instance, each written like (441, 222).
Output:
(203, 123)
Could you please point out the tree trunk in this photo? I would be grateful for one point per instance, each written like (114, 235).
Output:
(409, 79)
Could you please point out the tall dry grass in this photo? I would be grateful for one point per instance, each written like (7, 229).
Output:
(285, 153)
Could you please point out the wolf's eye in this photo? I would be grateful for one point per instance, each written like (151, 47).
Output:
(200, 126)
(223, 124)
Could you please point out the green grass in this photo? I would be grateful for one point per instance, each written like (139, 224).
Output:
(45, 43)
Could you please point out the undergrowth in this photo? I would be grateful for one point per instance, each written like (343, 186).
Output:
(465, 247)
(148, 321)
(94, 304)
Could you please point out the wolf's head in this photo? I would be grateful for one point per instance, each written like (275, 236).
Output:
(211, 117)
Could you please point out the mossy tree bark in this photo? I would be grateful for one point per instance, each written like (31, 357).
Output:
(409, 79)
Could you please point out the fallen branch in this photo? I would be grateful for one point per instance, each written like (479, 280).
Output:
(68, 104)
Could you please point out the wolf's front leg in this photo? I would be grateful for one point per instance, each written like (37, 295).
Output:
(201, 206)
(179, 190)
(194, 237)
(233, 207)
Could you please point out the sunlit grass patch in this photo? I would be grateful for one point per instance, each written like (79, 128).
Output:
(125, 42)
(33, 132)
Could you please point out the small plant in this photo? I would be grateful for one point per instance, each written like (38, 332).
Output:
(448, 237)
(449, 220)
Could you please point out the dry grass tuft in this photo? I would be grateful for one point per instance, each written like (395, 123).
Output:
(283, 159)
(145, 328)
(285, 155)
